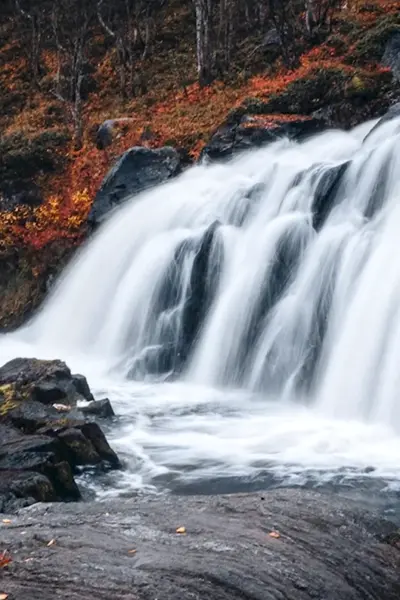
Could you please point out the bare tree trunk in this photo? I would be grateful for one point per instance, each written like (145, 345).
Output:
(70, 38)
(34, 51)
(203, 41)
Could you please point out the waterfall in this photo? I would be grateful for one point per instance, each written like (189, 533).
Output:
(276, 273)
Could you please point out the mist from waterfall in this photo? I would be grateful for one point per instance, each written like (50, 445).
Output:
(273, 278)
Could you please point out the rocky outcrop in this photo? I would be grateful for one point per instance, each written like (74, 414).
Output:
(136, 170)
(329, 180)
(391, 56)
(288, 544)
(43, 435)
(245, 131)
(392, 113)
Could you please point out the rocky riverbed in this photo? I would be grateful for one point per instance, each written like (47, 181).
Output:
(283, 545)
(279, 545)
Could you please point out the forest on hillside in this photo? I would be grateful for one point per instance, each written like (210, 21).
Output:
(169, 72)
(70, 29)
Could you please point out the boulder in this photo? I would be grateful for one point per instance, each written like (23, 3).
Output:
(45, 381)
(43, 442)
(136, 170)
(28, 456)
(99, 408)
(21, 489)
(82, 387)
(244, 131)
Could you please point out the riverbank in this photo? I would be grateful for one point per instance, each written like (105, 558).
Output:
(292, 545)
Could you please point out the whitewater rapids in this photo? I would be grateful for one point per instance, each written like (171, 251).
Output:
(286, 364)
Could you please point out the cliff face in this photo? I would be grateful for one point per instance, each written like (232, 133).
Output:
(344, 73)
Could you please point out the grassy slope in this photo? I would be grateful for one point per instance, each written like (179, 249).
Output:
(173, 111)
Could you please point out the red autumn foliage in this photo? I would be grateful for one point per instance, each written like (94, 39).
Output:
(169, 112)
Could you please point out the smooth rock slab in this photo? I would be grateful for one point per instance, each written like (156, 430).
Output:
(328, 549)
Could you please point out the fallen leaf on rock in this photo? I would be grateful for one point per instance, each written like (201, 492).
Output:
(274, 534)
(132, 551)
(181, 530)
(6, 521)
(3, 596)
(51, 543)
(5, 559)
(62, 407)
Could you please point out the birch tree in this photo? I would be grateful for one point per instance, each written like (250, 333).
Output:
(204, 50)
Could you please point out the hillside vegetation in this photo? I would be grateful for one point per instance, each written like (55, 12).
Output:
(174, 69)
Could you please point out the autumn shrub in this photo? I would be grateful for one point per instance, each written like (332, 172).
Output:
(338, 42)
(368, 86)
(302, 96)
(347, 26)
(371, 7)
(371, 45)
(23, 156)
(11, 102)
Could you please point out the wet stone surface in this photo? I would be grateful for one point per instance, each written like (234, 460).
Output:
(321, 547)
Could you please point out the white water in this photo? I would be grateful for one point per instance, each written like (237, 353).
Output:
(295, 368)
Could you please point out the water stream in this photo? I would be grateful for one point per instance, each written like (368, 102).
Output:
(244, 320)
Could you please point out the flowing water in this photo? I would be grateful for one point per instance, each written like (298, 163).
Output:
(244, 319)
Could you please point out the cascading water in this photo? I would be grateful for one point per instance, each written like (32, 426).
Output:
(245, 318)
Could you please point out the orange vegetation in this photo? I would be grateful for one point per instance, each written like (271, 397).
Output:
(183, 115)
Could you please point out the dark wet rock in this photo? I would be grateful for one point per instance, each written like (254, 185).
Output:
(29, 416)
(392, 113)
(328, 548)
(31, 370)
(49, 392)
(99, 408)
(136, 170)
(93, 433)
(20, 489)
(200, 295)
(45, 381)
(40, 438)
(82, 387)
(244, 131)
(391, 56)
(29, 455)
(81, 450)
(169, 352)
(325, 192)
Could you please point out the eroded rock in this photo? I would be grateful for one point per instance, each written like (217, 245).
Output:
(42, 441)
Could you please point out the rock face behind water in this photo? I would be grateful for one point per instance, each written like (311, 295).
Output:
(136, 170)
(44, 437)
(324, 549)
(243, 131)
(391, 56)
